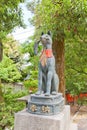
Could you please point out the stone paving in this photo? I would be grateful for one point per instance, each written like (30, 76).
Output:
(82, 124)
(80, 117)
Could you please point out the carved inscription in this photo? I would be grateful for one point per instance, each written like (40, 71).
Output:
(45, 109)
(33, 108)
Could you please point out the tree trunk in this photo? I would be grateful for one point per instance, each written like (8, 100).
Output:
(1, 55)
(58, 50)
(1, 51)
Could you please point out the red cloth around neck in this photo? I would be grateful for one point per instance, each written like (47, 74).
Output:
(48, 52)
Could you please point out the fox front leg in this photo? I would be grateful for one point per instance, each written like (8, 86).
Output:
(48, 87)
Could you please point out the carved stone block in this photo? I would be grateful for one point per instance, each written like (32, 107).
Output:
(46, 105)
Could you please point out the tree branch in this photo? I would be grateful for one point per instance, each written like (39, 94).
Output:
(79, 71)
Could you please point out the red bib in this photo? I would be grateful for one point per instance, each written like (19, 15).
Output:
(48, 53)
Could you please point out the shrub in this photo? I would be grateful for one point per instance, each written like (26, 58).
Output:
(9, 71)
(9, 107)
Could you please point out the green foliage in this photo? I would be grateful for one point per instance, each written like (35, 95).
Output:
(11, 49)
(67, 20)
(29, 47)
(61, 16)
(9, 107)
(9, 71)
(32, 83)
(1, 93)
(10, 16)
(75, 71)
(82, 101)
(1, 51)
(32, 71)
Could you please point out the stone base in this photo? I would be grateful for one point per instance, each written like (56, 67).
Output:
(28, 121)
(46, 105)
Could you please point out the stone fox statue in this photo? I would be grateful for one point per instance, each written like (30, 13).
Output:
(48, 80)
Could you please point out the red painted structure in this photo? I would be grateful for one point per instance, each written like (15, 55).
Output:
(71, 99)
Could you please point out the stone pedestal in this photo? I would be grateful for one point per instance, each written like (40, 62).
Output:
(46, 105)
(28, 121)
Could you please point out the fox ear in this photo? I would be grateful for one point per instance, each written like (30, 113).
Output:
(42, 33)
(49, 33)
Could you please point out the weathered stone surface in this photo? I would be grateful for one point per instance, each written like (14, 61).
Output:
(82, 124)
(73, 126)
(46, 105)
(27, 121)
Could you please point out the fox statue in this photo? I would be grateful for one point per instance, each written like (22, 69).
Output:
(48, 81)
